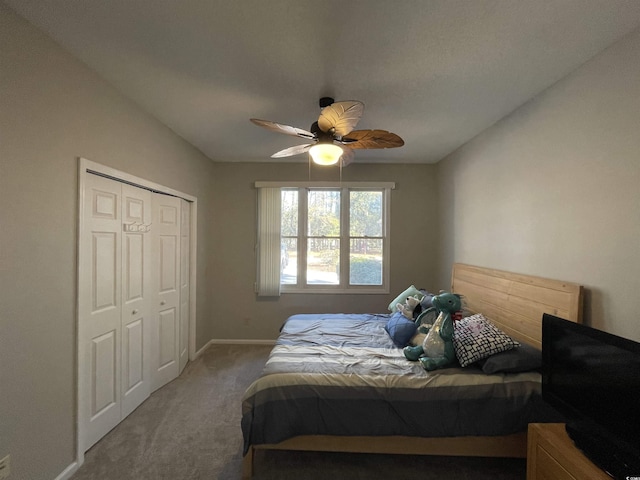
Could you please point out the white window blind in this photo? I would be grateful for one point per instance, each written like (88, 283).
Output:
(358, 252)
(268, 282)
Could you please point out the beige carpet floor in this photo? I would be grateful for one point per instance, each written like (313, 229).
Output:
(190, 429)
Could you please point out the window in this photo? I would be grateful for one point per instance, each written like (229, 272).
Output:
(333, 238)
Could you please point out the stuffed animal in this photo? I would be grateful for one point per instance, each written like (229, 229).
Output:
(437, 350)
(408, 309)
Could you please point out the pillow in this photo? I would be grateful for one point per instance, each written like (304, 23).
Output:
(409, 292)
(475, 338)
(400, 329)
(427, 300)
(520, 359)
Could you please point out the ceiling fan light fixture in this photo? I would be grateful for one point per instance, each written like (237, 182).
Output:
(325, 153)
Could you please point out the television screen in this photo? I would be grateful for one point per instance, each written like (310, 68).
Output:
(593, 377)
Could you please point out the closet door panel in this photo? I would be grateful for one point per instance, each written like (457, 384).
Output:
(136, 297)
(104, 361)
(99, 309)
(133, 357)
(166, 304)
(105, 253)
(167, 333)
(168, 267)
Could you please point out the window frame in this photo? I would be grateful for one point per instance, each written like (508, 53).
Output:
(345, 236)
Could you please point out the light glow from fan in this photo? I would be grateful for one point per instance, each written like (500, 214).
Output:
(325, 153)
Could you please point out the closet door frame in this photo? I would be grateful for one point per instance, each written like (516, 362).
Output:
(88, 167)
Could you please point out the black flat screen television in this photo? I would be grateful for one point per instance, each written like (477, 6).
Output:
(593, 379)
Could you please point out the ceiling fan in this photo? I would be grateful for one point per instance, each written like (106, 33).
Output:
(333, 136)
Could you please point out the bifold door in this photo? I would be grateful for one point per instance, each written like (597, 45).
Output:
(114, 304)
(133, 300)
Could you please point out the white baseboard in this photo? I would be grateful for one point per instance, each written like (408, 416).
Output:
(68, 472)
(232, 341)
(201, 351)
(240, 341)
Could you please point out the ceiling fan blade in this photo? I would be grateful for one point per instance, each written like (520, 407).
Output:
(341, 117)
(347, 156)
(286, 129)
(360, 139)
(296, 150)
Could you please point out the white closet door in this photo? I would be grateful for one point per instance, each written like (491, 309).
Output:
(136, 297)
(114, 305)
(184, 282)
(166, 308)
(133, 328)
(99, 309)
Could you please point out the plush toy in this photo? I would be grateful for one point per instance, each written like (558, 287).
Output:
(408, 309)
(437, 350)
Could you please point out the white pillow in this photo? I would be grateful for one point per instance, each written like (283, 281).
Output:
(409, 292)
(475, 338)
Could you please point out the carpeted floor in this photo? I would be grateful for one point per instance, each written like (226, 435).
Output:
(190, 429)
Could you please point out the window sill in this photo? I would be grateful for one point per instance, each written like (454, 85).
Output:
(335, 291)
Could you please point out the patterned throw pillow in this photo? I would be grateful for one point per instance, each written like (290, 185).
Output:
(475, 338)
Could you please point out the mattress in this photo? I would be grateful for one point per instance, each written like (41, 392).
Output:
(340, 374)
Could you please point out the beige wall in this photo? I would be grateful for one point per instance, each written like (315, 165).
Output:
(53, 110)
(239, 314)
(553, 189)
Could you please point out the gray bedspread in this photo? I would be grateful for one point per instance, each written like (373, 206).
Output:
(340, 374)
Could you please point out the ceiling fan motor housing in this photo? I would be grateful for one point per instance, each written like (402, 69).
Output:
(325, 102)
(323, 137)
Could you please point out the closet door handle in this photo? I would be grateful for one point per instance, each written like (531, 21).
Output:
(134, 312)
(163, 302)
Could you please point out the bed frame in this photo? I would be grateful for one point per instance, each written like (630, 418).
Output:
(515, 303)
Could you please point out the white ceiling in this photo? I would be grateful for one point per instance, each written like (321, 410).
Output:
(436, 72)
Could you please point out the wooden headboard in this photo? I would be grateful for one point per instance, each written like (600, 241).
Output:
(515, 303)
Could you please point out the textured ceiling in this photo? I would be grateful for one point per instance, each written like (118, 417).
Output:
(436, 72)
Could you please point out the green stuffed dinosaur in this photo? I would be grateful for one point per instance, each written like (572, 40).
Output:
(437, 350)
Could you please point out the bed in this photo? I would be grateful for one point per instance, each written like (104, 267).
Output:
(336, 382)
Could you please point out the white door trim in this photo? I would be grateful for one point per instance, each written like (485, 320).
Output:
(87, 167)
